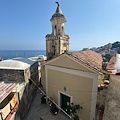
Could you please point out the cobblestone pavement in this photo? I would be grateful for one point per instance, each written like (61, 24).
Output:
(38, 111)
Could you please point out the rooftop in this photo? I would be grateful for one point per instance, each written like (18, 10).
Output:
(16, 63)
(89, 58)
(5, 89)
(39, 58)
(114, 64)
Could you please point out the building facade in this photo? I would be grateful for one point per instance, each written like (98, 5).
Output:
(57, 42)
(20, 71)
(73, 78)
(112, 103)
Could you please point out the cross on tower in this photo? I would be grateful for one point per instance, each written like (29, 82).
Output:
(57, 3)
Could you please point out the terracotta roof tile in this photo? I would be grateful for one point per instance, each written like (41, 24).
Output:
(110, 65)
(5, 89)
(89, 58)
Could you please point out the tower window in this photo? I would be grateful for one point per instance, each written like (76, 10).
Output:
(58, 31)
(55, 31)
(62, 30)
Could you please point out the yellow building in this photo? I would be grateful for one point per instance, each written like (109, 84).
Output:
(73, 78)
(57, 42)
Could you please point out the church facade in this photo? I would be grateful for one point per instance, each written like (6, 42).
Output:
(70, 78)
(57, 42)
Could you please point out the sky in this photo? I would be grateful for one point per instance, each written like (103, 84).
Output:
(90, 23)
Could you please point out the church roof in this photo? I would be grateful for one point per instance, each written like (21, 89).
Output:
(88, 58)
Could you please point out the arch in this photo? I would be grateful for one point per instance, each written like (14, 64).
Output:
(62, 30)
(55, 30)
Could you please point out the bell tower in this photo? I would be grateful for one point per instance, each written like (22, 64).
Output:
(57, 42)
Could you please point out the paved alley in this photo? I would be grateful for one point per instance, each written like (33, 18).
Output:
(38, 111)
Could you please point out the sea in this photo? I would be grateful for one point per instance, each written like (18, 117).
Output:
(8, 54)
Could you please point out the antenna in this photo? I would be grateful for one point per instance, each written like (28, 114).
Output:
(24, 55)
(16, 53)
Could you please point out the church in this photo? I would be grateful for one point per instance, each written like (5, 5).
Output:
(70, 77)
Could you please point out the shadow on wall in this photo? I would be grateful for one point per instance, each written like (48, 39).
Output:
(25, 102)
(28, 94)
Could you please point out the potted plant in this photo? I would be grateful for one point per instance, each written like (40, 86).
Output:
(73, 111)
(76, 117)
(54, 109)
(43, 99)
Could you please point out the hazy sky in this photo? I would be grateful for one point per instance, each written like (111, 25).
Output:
(90, 23)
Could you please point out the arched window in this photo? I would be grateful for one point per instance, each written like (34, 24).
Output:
(58, 31)
(55, 29)
(62, 30)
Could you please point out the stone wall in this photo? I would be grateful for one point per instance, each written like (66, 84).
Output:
(100, 103)
(43, 82)
(29, 92)
(112, 105)
(12, 75)
(25, 102)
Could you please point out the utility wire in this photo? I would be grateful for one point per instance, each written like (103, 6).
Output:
(59, 88)
(56, 87)
(72, 90)
(82, 103)
(89, 100)
(51, 99)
